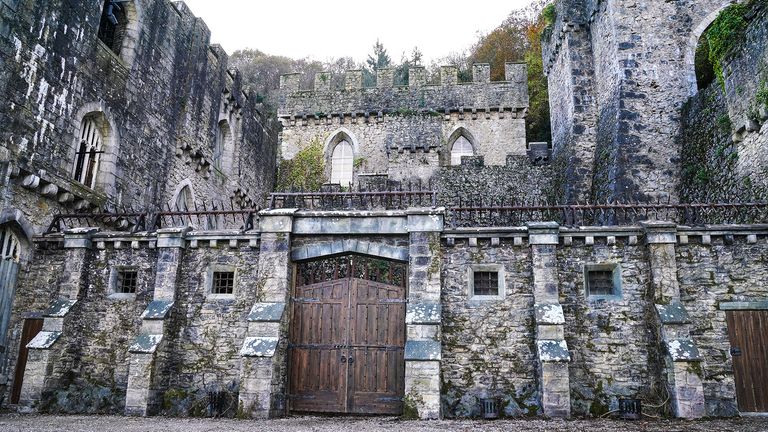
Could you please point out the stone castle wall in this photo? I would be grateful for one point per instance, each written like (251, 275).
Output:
(636, 74)
(407, 132)
(162, 97)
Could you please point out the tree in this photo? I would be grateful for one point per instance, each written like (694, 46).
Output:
(378, 60)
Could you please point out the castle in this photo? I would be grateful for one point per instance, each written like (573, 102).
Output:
(449, 268)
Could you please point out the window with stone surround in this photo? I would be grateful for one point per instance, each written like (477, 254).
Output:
(602, 281)
(342, 164)
(113, 25)
(123, 282)
(89, 151)
(461, 147)
(486, 282)
(223, 283)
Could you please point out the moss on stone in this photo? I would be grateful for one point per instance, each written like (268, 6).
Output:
(411, 406)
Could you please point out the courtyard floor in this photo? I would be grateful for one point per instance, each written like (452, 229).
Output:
(39, 423)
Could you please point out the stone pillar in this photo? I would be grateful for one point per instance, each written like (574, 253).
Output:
(323, 82)
(481, 73)
(449, 75)
(553, 354)
(47, 347)
(263, 377)
(353, 79)
(142, 395)
(385, 77)
(682, 360)
(417, 76)
(423, 351)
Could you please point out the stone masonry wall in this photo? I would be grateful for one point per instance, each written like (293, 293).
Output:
(163, 95)
(488, 345)
(726, 269)
(608, 339)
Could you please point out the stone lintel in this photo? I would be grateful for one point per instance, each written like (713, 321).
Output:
(276, 221)
(157, 310)
(673, 313)
(172, 238)
(59, 308)
(79, 238)
(266, 312)
(423, 351)
(322, 249)
(553, 351)
(341, 224)
(543, 233)
(145, 344)
(259, 347)
(551, 314)
(660, 232)
(683, 350)
(420, 221)
(44, 340)
(423, 313)
(753, 305)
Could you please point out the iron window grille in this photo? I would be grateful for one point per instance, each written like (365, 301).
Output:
(89, 153)
(602, 281)
(127, 281)
(223, 283)
(486, 283)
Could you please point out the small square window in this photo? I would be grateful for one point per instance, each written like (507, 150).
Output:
(127, 281)
(223, 283)
(486, 283)
(602, 281)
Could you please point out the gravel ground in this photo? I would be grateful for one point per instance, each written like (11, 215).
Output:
(37, 423)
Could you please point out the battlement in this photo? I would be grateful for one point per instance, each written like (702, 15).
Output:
(570, 15)
(449, 95)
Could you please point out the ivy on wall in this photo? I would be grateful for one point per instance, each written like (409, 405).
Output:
(306, 171)
(726, 33)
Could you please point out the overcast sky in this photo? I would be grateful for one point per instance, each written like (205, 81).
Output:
(336, 28)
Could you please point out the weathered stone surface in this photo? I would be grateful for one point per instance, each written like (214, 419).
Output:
(44, 340)
(266, 312)
(145, 344)
(259, 347)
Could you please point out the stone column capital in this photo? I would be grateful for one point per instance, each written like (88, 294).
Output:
(172, 238)
(660, 232)
(277, 220)
(79, 238)
(543, 233)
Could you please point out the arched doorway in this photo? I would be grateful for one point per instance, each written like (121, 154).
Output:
(348, 336)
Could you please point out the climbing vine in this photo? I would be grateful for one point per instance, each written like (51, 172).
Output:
(725, 33)
(306, 171)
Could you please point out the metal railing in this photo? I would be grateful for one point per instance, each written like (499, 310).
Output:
(611, 214)
(384, 200)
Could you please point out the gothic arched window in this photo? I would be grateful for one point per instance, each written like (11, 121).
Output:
(461, 147)
(342, 164)
(184, 201)
(89, 152)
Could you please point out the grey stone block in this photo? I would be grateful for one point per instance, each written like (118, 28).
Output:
(145, 344)
(423, 313)
(44, 340)
(59, 308)
(259, 347)
(673, 313)
(157, 310)
(683, 350)
(554, 351)
(423, 351)
(549, 314)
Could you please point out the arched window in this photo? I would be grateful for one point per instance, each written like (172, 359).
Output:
(461, 147)
(223, 149)
(184, 201)
(89, 152)
(113, 25)
(9, 268)
(342, 164)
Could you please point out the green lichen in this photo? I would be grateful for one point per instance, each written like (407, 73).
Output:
(549, 15)
(599, 405)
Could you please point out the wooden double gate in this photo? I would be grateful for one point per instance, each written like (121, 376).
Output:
(749, 349)
(348, 336)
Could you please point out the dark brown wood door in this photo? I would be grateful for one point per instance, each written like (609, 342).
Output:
(31, 328)
(748, 332)
(348, 338)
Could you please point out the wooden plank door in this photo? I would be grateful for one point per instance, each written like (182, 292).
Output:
(748, 332)
(31, 328)
(376, 348)
(320, 327)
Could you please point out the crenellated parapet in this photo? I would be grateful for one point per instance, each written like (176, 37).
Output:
(418, 97)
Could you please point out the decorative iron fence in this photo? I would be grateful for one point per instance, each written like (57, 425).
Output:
(212, 216)
(612, 214)
(383, 200)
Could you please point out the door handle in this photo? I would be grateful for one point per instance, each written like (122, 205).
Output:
(351, 360)
(735, 351)
(344, 359)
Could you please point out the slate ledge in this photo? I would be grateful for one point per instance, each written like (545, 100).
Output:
(266, 312)
(44, 340)
(683, 350)
(145, 344)
(423, 351)
(423, 313)
(259, 347)
(549, 314)
(157, 310)
(553, 351)
(673, 313)
(59, 308)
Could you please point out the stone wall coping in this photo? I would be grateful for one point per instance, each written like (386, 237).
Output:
(673, 313)
(44, 340)
(553, 351)
(428, 350)
(266, 312)
(352, 213)
(157, 310)
(59, 308)
(744, 305)
(79, 232)
(278, 212)
(423, 313)
(259, 347)
(683, 350)
(345, 225)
